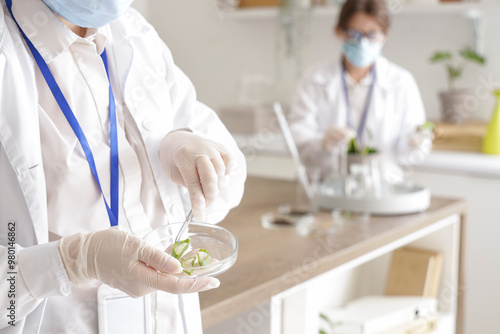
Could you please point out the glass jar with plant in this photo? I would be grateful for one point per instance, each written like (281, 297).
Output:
(457, 103)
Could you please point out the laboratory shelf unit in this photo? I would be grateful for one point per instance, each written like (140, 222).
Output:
(329, 12)
(282, 281)
(365, 276)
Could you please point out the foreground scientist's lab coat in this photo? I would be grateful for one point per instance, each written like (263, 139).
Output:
(149, 81)
(395, 111)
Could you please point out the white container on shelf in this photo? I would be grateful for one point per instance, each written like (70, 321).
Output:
(378, 314)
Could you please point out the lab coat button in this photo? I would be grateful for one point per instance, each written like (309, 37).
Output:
(148, 124)
(176, 210)
(65, 288)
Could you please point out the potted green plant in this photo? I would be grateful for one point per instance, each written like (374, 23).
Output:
(454, 100)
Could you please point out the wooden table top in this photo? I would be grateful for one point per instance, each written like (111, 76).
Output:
(272, 261)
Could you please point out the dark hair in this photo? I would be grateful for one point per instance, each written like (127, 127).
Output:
(375, 8)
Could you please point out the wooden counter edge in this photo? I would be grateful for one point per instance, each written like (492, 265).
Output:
(230, 307)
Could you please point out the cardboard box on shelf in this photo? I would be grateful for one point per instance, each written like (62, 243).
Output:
(459, 137)
(414, 272)
(270, 3)
(259, 3)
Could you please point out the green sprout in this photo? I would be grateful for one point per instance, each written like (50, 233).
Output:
(354, 148)
(428, 125)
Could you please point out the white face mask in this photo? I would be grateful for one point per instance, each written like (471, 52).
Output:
(89, 13)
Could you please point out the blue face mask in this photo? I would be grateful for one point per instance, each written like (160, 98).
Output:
(362, 53)
(89, 13)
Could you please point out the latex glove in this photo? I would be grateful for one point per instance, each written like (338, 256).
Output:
(334, 136)
(197, 163)
(119, 259)
(421, 140)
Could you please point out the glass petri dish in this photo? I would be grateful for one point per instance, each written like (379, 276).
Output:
(221, 244)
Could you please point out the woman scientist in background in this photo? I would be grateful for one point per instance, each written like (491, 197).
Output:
(81, 152)
(359, 95)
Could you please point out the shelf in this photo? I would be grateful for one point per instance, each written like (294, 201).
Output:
(260, 13)
(442, 9)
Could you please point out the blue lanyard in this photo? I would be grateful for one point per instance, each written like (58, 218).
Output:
(70, 116)
(364, 115)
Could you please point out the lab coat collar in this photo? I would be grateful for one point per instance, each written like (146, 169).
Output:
(47, 32)
(332, 72)
(133, 29)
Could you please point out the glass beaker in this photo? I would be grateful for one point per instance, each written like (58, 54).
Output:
(371, 163)
(359, 182)
(363, 181)
(332, 183)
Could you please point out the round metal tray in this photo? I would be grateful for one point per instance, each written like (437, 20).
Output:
(398, 200)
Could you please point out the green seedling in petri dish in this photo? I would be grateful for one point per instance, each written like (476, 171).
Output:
(188, 263)
(180, 248)
(203, 257)
(193, 258)
(354, 148)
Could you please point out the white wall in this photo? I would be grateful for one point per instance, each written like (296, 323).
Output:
(217, 53)
(142, 6)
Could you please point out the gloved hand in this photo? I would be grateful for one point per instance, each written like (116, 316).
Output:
(421, 140)
(119, 259)
(334, 136)
(199, 164)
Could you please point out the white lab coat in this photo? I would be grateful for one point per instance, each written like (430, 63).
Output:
(158, 107)
(395, 111)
